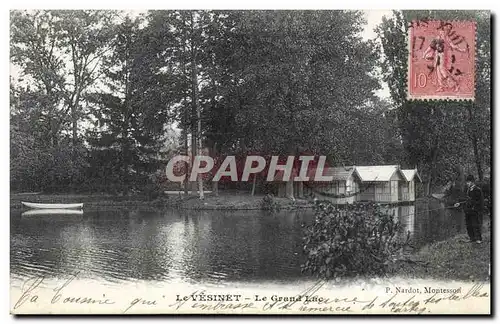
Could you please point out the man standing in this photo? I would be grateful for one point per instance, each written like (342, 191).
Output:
(473, 208)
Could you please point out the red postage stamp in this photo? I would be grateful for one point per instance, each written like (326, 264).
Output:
(441, 62)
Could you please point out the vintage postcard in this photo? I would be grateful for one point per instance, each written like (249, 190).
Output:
(306, 162)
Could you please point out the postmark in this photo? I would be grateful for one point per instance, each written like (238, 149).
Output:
(441, 60)
(248, 162)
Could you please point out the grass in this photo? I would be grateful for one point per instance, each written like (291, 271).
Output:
(451, 259)
(238, 201)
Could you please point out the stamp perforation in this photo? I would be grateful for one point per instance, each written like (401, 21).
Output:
(446, 29)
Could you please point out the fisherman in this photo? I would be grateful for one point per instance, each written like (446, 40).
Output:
(473, 208)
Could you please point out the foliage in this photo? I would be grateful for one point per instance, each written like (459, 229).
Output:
(127, 129)
(349, 240)
(270, 82)
(59, 56)
(295, 68)
(269, 203)
(35, 167)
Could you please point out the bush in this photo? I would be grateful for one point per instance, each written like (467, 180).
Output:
(268, 203)
(349, 240)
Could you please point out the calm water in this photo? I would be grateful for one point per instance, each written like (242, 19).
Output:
(193, 246)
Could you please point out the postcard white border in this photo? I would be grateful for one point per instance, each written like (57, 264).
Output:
(128, 4)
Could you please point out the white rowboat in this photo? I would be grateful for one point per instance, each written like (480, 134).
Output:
(40, 212)
(179, 192)
(438, 196)
(52, 206)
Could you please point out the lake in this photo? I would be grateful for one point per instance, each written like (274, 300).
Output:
(184, 246)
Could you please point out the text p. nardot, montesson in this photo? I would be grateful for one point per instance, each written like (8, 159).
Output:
(425, 290)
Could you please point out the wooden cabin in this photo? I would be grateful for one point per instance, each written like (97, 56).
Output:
(377, 183)
(407, 187)
(341, 190)
(380, 183)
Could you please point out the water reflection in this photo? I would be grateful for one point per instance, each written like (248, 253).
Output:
(424, 223)
(169, 245)
(208, 246)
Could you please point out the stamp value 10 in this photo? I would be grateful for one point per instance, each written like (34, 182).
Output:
(441, 62)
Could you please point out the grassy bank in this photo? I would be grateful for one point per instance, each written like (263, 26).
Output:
(452, 259)
(225, 201)
(239, 201)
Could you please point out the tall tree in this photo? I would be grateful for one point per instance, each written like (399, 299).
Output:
(301, 73)
(190, 40)
(59, 54)
(128, 119)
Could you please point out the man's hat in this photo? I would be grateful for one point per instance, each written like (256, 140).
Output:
(470, 177)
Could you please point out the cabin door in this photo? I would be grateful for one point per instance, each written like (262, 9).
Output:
(394, 190)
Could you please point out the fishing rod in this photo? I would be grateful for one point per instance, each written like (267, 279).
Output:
(456, 205)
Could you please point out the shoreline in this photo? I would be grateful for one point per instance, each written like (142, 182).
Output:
(224, 201)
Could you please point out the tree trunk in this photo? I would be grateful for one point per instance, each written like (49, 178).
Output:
(475, 145)
(460, 183)
(300, 193)
(200, 143)
(253, 184)
(215, 188)
(186, 152)
(215, 184)
(477, 157)
(193, 154)
(432, 171)
(125, 182)
(281, 190)
(74, 125)
(74, 142)
(195, 105)
(289, 190)
(185, 123)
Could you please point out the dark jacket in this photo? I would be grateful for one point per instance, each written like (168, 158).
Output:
(474, 202)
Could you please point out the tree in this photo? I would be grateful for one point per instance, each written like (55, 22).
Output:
(36, 161)
(129, 122)
(195, 45)
(59, 54)
(300, 75)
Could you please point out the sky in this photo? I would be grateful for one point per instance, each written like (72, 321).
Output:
(374, 18)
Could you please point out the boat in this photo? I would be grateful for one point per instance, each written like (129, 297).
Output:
(40, 212)
(52, 206)
(438, 196)
(180, 192)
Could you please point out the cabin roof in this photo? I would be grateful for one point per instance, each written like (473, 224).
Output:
(374, 173)
(410, 174)
(338, 173)
(377, 172)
